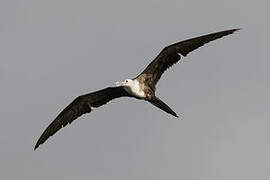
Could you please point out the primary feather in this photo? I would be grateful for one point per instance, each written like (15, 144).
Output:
(142, 87)
(172, 54)
(79, 106)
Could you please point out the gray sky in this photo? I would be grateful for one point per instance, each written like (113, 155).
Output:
(52, 51)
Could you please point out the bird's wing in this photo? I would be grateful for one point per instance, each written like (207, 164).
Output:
(79, 106)
(172, 54)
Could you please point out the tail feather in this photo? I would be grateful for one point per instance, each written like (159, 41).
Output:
(158, 103)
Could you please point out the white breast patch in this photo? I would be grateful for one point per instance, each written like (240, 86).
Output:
(134, 88)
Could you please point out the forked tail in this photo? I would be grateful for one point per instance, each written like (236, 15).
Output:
(158, 103)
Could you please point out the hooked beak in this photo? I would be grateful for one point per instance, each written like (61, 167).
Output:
(120, 83)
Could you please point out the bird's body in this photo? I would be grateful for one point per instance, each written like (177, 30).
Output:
(142, 87)
(133, 87)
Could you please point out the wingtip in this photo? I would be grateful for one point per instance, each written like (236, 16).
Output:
(231, 31)
(234, 30)
(237, 29)
(179, 117)
(36, 146)
(175, 115)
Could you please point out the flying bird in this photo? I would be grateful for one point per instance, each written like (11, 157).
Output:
(142, 87)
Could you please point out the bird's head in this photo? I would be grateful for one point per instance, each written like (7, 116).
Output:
(127, 82)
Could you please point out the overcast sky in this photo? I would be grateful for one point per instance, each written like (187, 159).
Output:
(52, 51)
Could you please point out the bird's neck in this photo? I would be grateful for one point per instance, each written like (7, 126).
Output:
(135, 88)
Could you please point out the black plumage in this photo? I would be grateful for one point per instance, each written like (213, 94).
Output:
(147, 83)
(79, 106)
(172, 54)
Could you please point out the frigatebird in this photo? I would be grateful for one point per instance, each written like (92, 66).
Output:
(142, 87)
